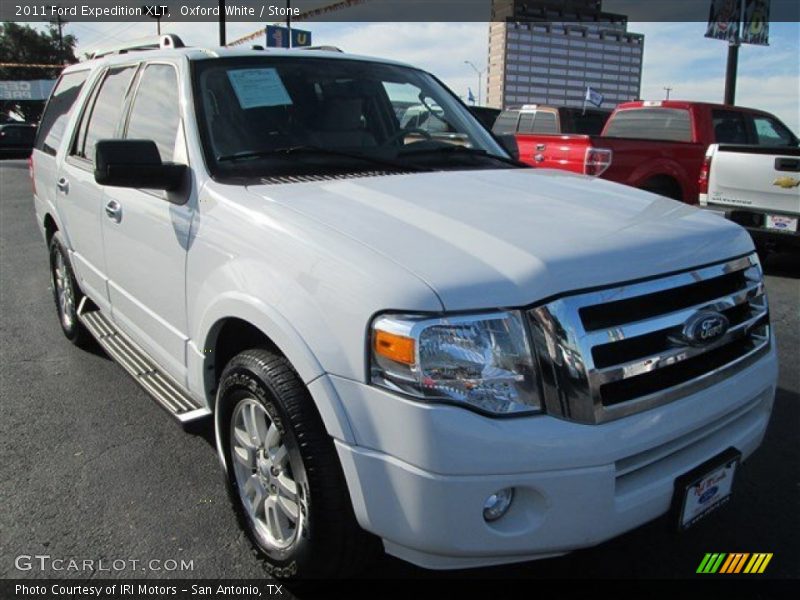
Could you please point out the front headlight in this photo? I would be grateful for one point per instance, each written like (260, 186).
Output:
(483, 361)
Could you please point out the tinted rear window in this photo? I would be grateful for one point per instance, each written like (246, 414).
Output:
(56, 115)
(506, 122)
(669, 124)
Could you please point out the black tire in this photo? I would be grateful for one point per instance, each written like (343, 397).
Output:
(71, 325)
(330, 543)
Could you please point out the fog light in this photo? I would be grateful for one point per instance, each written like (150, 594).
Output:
(498, 504)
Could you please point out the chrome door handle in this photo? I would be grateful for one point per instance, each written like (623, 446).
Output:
(114, 211)
(63, 184)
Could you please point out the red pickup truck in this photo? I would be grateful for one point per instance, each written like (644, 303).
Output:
(655, 146)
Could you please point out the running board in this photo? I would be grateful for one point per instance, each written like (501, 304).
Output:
(164, 390)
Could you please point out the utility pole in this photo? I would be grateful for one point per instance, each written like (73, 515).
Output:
(60, 23)
(668, 90)
(289, 22)
(222, 23)
(480, 74)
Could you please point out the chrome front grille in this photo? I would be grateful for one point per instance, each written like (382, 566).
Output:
(614, 352)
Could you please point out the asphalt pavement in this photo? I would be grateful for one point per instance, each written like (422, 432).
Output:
(93, 469)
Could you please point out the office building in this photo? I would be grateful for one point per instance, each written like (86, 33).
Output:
(548, 52)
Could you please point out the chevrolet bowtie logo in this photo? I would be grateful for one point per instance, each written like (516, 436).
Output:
(787, 183)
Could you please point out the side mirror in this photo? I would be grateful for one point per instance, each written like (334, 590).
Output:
(135, 164)
(509, 144)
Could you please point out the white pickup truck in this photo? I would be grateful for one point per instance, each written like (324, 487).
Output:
(757, 187)
(402, 341)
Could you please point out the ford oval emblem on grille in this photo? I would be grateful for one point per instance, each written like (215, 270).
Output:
(704, 327)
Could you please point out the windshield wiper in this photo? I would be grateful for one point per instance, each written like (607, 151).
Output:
(457, 149)
(287, 152)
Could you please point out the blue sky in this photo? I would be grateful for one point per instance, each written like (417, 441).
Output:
(676, 55)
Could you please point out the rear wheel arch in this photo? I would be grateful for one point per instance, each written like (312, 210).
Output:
(664, 185)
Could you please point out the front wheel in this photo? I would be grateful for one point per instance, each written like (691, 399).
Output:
(284, 477)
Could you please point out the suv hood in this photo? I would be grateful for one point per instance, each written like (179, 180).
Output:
(504, 238)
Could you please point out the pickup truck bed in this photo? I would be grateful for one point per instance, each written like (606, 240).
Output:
(758, 188)
(656, 146)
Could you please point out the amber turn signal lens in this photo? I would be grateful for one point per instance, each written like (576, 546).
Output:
(394, 347)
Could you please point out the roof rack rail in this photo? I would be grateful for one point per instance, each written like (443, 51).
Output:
(323, 48)
(169, 40)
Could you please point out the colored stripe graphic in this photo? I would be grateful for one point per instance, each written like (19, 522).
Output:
(727, 564)
(758, 563)
(738, 562)
(703, 563)
(711, 562)
(721, 562)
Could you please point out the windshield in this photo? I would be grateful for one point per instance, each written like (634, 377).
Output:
(275, 116)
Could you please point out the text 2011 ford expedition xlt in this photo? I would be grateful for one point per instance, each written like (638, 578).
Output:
(401, 341)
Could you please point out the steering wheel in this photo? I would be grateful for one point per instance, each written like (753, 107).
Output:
(404, 132)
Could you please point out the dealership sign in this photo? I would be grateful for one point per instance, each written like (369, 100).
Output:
(278, 37)
(726, 16)
(38, 89)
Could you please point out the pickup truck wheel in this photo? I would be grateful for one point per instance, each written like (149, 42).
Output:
(66, 293)
(284, 478)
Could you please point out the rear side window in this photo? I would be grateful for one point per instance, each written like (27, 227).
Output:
(771, 132)
(102, 122)
(669, 124)
(56, 115)
(545, 122)
(730, 127)
(506, 122)
(155, 114)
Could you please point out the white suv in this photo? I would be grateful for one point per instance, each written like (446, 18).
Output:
(401, 340)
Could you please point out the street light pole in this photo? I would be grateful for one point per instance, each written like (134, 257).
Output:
(480, 73)
(668, 90)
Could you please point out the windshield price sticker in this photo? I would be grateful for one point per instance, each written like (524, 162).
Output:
(258, 87)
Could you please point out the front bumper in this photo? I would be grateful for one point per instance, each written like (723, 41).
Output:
(419, 474)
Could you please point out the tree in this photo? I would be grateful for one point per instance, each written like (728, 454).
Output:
(24, 44)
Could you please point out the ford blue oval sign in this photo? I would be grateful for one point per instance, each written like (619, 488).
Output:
(704, 327)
